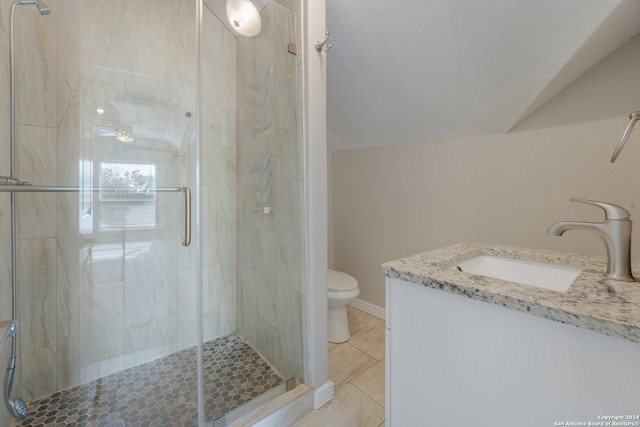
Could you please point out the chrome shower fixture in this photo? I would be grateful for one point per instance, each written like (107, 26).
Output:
(16, 407)
(9, 180)
(42, 8)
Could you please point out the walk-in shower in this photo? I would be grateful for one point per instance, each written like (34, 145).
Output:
(122, 112)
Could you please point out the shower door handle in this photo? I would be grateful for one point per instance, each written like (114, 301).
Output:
(187, 216)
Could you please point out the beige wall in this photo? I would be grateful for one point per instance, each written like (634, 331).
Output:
(397, 200)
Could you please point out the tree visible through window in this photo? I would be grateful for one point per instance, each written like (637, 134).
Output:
(127, 196)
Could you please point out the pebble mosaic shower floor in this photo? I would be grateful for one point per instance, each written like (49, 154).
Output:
(161, 392)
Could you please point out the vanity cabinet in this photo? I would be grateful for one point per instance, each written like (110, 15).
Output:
(452, 360)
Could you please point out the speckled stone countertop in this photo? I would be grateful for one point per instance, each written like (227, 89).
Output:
(592, 302)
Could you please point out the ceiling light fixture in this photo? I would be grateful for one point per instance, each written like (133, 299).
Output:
(124, 134)
(244, 17)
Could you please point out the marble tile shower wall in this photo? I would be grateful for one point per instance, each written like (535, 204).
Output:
(94, 302)
(271, 252)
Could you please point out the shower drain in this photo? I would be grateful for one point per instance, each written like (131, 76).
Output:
(118, 423)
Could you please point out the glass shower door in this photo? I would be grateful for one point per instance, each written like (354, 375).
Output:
(252, 179)
(107, 135)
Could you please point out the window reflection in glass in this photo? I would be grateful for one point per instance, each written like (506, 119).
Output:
(127, 196)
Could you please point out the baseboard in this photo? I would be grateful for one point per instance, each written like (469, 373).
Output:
(323, 395)
(284, 410)
(367, 307)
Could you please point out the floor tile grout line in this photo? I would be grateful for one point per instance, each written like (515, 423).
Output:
(365, 353)
(366, 394)
(335, 414)
(353, 346)
(351, 381)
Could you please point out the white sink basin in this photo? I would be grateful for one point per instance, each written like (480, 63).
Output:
(547, 276)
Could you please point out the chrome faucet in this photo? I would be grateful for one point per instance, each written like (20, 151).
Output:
(616, 233)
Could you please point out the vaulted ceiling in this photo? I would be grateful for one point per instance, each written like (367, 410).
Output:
(416, 70)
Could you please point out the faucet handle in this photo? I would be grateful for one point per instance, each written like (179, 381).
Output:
(611, 211)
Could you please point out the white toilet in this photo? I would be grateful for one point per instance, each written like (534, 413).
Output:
(343, 289)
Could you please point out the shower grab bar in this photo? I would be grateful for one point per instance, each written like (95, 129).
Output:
(28, 188)
(187, 216)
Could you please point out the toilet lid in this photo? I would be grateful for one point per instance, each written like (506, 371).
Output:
(339, 281)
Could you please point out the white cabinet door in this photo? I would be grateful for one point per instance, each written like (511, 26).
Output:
(454, 361)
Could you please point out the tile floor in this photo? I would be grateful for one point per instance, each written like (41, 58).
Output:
(161, 392)
(357, 369)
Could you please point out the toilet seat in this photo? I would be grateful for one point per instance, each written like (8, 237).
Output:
(342, 295)
(339, 282)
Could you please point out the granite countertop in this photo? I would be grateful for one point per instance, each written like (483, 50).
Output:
(592, 302)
